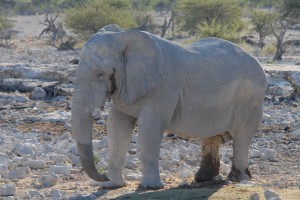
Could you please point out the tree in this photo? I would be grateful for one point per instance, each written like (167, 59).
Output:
(167, 6)
(87, 18)
(260, 20)
(197, 12)
(286, 13)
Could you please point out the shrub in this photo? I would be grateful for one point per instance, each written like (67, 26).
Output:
(197, 12)
(269, 49)
(5, 32)
(87, 18)
(214, 29)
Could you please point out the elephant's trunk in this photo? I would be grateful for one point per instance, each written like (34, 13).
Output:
(82, 125)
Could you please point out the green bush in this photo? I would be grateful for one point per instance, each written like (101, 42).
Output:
(197, 12)
(214, 29)
(5, 23)
(87, 18)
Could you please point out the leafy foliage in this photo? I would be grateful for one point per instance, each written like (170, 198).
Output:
(215, 29)
(197, 12)
(286, 13)
(87, 18)
(5, 32)
(260, 20)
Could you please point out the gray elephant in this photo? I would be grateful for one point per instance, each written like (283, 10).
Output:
(211, 89)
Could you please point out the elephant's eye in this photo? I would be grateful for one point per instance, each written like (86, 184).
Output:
(100, 75)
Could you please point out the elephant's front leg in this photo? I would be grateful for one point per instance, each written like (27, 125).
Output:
(150, 135)
(119, 131)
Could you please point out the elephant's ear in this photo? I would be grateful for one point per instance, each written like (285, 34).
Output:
(143, 64)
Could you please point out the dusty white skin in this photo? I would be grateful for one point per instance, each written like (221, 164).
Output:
(209, 88)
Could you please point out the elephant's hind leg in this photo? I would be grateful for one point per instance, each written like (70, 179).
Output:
(210, 159)
(239, 170)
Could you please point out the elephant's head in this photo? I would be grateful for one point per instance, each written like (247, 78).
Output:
(123, 66)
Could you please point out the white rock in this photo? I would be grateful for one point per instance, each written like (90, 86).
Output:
(217, 179)
(254, 153)
(295, 135)
(35, 193)
(185, 172)
(270, 194)
(4, 159)
(35, 164)
(56, 117)
(166, 165)
(59, 159)
(56, 194)
(269, 154)
(100, 144)
(38, 93)
(19, 173)
(20, 99)
(262, 141)
(3, 171)
(131, 162)
(224, 168)
(254, 196)
(65, 170)
(7, 190)
(49, 180)
(23, 149)
(131, 176)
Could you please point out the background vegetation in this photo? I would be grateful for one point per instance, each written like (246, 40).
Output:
(240, 21)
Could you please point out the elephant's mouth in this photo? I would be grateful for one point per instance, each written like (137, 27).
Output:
(113, 86)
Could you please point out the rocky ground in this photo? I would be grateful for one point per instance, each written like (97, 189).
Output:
(39, 159)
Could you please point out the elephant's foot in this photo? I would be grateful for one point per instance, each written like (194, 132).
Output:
(111, 184)
(208, 170)
(153, 184)
(237, 175)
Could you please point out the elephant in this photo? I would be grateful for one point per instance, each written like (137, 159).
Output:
(211, 89)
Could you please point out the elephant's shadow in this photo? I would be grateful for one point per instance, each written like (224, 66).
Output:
(194, 191)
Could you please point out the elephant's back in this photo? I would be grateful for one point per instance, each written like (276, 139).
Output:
(228, 59)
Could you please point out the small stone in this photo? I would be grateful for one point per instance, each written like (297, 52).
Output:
(295, 135)
(56, 194)
(23, 149)
(254, 196)
(49, 180)
(35, 164)
(254, 153)
(19, 173)
(21, 99)
(217, 179)
(100, 144)
(7, 190)
(185, 173)
(65, 170)
(270, 194)
(38, 93)
(131, 176)
(183, 183)
(131, 162)
(224, 168)
(34, 193)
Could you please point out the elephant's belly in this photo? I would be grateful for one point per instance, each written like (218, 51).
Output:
(194, 124)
